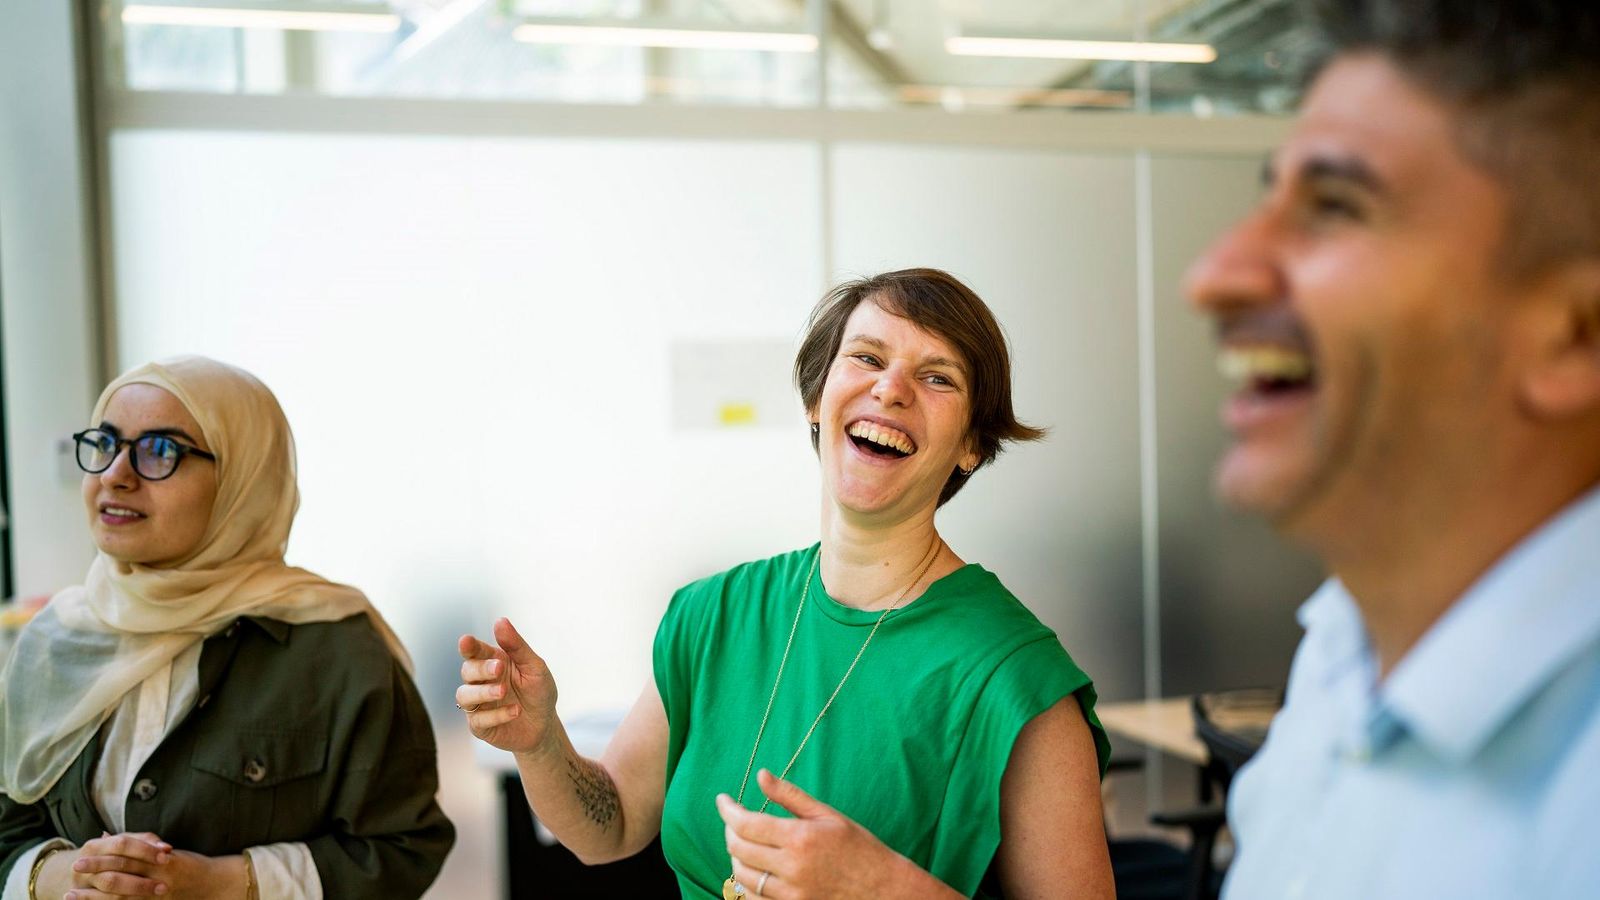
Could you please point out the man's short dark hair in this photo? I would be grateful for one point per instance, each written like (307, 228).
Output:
(938, 303)
(1523, 77)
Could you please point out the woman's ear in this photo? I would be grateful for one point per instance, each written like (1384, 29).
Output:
(971, 458)
(1564, 381)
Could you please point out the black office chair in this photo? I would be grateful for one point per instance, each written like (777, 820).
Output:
(1232, 725)
(1155, 869)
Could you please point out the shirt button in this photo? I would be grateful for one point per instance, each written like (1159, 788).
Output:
(144, 789)
(254, 771)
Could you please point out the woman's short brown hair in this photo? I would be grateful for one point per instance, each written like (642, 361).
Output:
(938, 303)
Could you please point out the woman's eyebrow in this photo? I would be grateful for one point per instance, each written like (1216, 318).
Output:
(946, 362)
(171, 432)
(867, 339)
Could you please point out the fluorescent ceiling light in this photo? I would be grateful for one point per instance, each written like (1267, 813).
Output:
(281, 19)
(677, 38)
(1050, 48)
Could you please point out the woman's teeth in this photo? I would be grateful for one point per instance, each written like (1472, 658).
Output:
(1244, 365)
(121, 513)
(883, 436)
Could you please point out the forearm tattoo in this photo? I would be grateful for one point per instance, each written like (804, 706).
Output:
(596, 791)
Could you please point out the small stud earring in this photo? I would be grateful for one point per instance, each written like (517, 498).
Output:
(815, 428)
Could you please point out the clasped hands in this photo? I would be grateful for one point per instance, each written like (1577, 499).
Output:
(133, 865)
(818, 853)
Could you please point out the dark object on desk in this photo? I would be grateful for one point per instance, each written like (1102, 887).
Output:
(1233, 726)
(535, 870)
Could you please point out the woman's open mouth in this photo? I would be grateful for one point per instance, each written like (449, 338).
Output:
(880, 441)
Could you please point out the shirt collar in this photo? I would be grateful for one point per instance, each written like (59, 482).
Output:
(275, 629)
(1514, 630)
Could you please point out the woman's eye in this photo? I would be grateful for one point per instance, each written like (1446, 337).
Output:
(940, 380)
(867, 358)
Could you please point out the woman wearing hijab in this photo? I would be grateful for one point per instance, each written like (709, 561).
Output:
(909, 724)
(198, 719)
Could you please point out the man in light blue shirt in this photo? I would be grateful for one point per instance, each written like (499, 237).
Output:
(1413, 314)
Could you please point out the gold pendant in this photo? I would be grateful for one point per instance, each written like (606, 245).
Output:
(732, 890)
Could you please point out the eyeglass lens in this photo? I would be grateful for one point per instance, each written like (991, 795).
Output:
(155, 456)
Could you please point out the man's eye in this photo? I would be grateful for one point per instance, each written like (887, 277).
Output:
(1326, 206)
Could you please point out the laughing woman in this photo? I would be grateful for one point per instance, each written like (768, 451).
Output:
(908, 722)
(197, 719)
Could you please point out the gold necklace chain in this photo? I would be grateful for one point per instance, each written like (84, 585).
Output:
(732, 889)
(804, 593)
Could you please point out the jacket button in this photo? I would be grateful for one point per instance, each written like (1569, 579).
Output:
(144, 789)
(232, 630)
(254, 771)
(203, 701)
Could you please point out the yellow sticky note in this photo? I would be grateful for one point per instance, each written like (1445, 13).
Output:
(737, 414)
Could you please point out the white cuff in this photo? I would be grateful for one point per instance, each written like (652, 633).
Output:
(17, 881)
(283, 872)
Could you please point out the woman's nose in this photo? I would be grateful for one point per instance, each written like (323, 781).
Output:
(120, 474)
(893, 387)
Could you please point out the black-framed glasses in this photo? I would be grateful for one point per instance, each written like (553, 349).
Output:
(154, 455)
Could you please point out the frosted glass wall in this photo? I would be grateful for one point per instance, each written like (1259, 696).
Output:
(471, 339)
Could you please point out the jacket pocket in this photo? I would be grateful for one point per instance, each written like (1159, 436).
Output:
(269, 778)
(260, 758)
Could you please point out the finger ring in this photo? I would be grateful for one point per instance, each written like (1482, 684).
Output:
(468, 709)
(762, 882)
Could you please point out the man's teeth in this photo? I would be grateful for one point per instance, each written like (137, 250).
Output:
(883, 436)
(1241, 364)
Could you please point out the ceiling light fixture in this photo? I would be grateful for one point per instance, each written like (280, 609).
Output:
(274, 18)
(674, 38)
(1052, 48)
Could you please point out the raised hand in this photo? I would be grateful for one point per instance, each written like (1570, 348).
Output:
(818, 853)
(507, 691)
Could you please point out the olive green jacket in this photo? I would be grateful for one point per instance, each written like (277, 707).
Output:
(310, 733)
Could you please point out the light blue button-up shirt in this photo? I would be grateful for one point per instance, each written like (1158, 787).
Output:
(1472, 771)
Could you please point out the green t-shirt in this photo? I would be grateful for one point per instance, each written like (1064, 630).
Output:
(913, 748)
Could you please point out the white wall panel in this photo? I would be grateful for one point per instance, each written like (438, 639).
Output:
(471, 338)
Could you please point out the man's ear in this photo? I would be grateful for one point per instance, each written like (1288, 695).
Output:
(1564, 382)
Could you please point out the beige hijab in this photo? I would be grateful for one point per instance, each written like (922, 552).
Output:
(97, 641)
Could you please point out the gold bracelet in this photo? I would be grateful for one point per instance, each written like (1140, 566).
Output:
(250, 892)
(38, 866)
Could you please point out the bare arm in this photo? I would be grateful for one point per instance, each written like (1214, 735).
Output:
(606, 809)
(1052, 836)
(601, 810)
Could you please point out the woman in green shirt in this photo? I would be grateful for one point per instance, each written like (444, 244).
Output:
(867, 717)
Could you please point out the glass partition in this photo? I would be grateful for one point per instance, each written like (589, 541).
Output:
(1189, 57)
